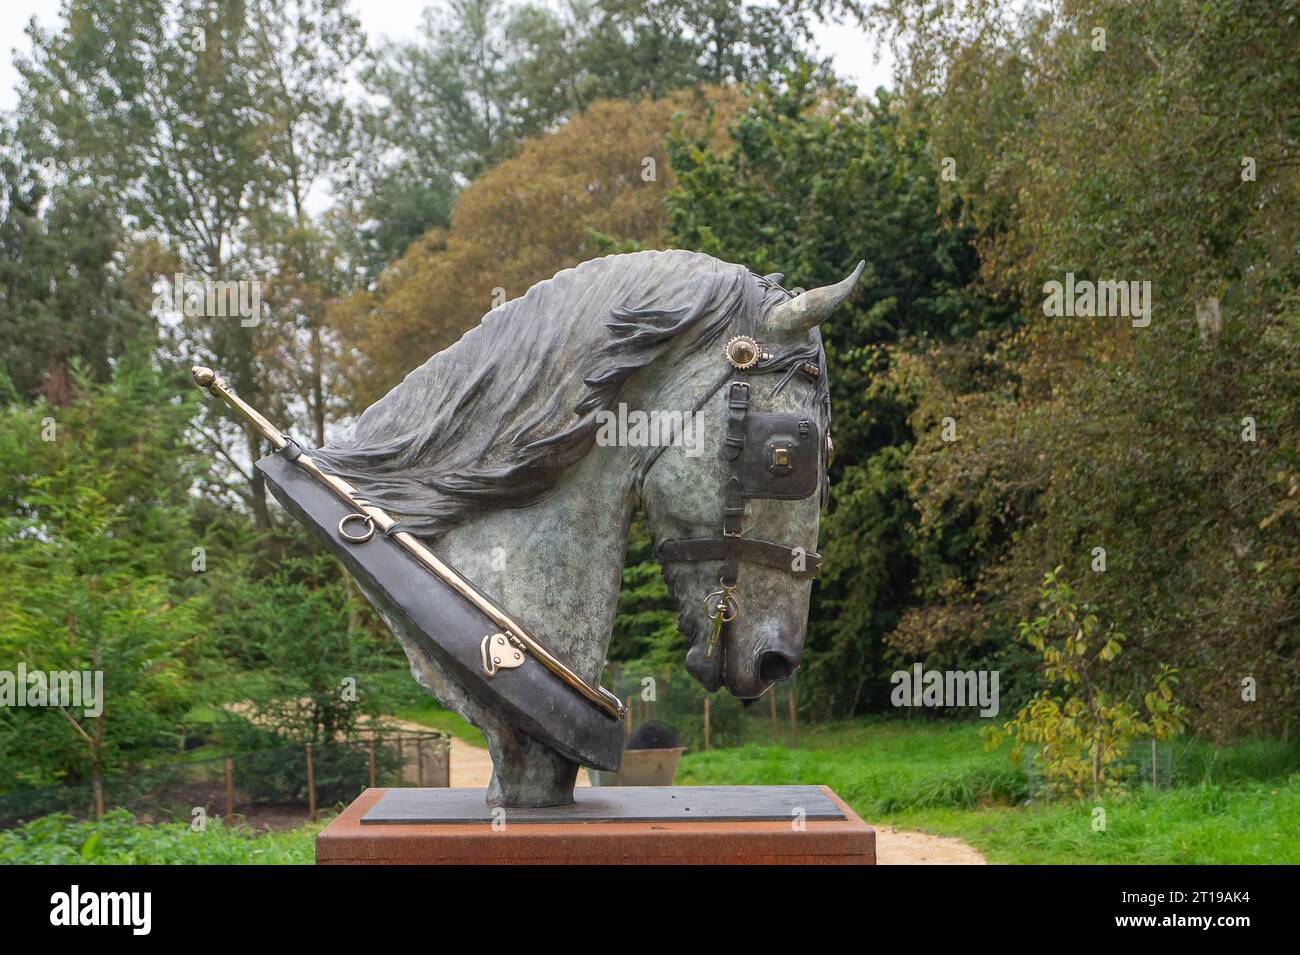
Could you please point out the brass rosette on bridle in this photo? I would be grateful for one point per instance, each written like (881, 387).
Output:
(742, 352)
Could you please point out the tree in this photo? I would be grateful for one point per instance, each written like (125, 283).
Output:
(645, 627)
(601, 174)
(62, 294)
(95, 552)
(1079, 731)
(206, 124)
(294, 625)
(489, 75)
(819, 179)
(1155, 461)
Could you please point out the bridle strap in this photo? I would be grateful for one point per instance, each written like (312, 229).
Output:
(733, 493)
(737, 412)
(749, 549)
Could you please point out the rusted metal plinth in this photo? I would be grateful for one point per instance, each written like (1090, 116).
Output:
(516, 841)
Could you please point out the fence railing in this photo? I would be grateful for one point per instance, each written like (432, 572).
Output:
(297, 777)
(702, 720)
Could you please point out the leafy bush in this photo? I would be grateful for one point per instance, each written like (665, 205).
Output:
(1081, 736)
(118, 840)
(268, 771)
(95, 572)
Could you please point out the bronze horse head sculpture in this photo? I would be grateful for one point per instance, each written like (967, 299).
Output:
(495, 454)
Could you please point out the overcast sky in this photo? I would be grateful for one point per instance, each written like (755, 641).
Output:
(851, 51)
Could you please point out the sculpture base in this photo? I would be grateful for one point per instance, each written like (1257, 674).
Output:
(674, 825)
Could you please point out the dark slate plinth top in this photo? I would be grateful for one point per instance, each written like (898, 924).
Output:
(613, 804)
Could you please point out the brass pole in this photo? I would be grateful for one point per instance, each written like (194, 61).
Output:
(207, 378)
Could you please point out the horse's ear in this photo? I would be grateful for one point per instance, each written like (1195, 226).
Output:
(812, 307)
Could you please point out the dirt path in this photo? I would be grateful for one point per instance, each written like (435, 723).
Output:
(898, 847)
(472, 766)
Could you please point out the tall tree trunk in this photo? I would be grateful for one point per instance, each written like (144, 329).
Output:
(96, 767)
(261, 512)
(318, 382)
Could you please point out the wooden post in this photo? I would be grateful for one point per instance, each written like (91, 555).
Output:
(419, 762)
(776, 724)
(311, 784)
(628, 720)
(794, 719)
(230, 789)
(706, 722)
(371, 748)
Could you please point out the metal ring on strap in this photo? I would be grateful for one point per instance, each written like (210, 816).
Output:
(357, 538)
(728, 607)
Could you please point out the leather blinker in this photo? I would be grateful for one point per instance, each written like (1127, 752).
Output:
(781, 459)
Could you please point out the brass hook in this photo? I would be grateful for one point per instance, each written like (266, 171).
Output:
(718, 614)
(728, 602)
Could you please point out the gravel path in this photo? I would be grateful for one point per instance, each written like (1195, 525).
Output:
(898, 847)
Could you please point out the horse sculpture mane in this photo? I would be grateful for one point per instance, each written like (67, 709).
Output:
(497, 418)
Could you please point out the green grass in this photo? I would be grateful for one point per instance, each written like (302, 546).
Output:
(1208, 823)
(118, 840)
(407, 701)
(1236, 804)
(436, 718)
(877, 767)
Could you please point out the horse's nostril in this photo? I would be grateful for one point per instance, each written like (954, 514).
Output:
(774, 666)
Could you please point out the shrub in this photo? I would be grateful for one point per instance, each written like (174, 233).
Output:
(1082, 734)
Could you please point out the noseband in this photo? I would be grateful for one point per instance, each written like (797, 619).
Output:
(771, 457)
